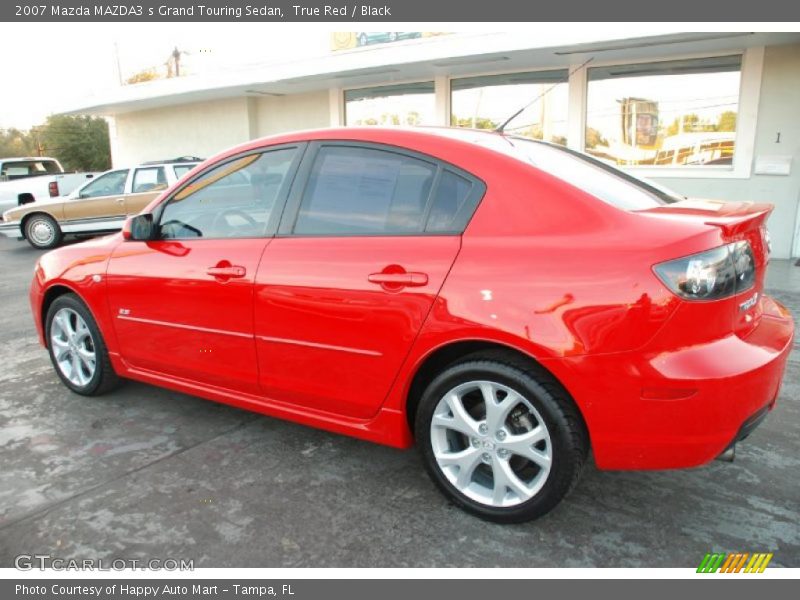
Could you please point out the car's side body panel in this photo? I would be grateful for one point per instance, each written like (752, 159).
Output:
(542, 268)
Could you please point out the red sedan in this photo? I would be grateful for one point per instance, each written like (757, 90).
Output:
(506, 304)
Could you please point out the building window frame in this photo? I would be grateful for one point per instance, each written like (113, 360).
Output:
(577, 93)
(549, 69)
(343, 96)
(747, 116)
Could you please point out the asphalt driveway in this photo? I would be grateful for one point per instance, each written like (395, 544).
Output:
(146, 472)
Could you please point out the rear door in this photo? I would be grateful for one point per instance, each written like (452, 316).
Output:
(146, 183)
(365, 243)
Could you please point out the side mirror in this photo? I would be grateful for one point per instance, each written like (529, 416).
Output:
(138, 228)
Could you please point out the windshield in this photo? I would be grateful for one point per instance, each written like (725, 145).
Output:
(593, 176)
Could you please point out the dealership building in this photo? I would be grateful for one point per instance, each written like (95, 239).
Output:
(711, 115)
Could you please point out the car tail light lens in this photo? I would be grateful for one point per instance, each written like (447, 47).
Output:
(710, 275)
(53, 189)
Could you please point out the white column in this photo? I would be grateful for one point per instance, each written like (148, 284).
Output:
(576, 108)
(336, 103)
(441, 88)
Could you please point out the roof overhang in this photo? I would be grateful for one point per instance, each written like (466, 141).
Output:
(425, 58)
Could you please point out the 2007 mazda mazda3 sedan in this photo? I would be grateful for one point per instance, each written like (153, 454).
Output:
(506, 304)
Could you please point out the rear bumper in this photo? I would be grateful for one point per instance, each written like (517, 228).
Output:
(684, 407)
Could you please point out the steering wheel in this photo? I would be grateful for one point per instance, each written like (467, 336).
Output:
(222, 219)
(178, 226)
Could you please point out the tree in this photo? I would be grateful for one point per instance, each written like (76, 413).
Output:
(473, 123)
(79, 143)
(727, 121)
(690, 123)
(594, 138)
(142, 76)
(14, 142)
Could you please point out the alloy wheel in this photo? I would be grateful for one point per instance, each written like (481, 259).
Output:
(73, 347)
(491, 444)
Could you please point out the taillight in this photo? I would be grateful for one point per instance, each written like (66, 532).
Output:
(767, 241)
(53, 189)
(710, 275)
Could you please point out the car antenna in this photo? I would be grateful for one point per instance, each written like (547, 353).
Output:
(542, 95)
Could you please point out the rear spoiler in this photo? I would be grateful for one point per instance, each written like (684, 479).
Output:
(732, 217)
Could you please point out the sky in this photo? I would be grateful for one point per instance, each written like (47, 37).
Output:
(58, 63)
(51, 66)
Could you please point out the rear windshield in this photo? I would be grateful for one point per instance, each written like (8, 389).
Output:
(605, 182)
(20, 169)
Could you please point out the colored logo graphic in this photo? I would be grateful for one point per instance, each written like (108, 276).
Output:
(735, 562)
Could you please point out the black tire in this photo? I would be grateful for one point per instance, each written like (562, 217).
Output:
(42, 231)
(104, 378)
(569, 439)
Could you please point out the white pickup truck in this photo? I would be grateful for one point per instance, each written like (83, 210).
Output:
(24, 180)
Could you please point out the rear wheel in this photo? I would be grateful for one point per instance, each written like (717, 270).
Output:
(42, 232)
(77, 349)
(501, 439)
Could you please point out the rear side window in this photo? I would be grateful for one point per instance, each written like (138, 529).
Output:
(453, 204)
(149, 179)
(363, 191)
(28, 168)
(181, 170)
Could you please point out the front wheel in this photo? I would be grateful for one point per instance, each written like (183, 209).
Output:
(42, 232)
(501, 439)
(77, 349)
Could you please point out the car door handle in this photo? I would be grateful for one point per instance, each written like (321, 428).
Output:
(120, 200)
(227, 272)
(399, 279)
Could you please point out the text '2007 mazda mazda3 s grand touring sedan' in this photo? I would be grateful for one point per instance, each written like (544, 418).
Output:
(506, 305)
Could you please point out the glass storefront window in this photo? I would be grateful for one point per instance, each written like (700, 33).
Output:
(486, 102)
(679, 113)
(404, 104)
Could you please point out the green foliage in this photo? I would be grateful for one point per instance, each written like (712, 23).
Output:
(79, 143)
(142, 76)
(727, 121)
(594, 138)
(473, 123)
(14, 142)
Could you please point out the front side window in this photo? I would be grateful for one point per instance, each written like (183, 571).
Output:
(149, 179)
(233, 200)
(364, 191)
(487, 102)
(680, 113)
(405, 104)
(110, 184)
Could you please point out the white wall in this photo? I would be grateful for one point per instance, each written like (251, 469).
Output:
(206, 128)
(198, 129)
(778, 111)
(278, 114)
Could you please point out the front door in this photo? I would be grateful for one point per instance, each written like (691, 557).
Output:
(361, 255)
(102, 200)
(183, 303)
